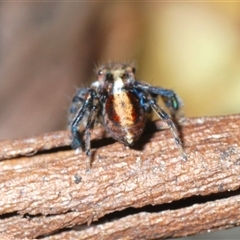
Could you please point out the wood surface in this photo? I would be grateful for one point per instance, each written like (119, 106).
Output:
(145, 192)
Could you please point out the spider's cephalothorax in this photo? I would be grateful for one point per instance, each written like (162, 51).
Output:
(119, 102)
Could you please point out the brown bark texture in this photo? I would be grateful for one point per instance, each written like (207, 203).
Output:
(144, 192)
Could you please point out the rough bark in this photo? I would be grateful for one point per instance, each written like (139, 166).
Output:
(146, 192)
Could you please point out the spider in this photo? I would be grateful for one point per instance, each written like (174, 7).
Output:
(119, 102)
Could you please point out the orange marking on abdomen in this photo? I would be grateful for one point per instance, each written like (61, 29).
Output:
(123, 108)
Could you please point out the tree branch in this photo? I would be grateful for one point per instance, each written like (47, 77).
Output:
(157, 193)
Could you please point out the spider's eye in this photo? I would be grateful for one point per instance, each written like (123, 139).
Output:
(100, 72)
(133, 70)
(125, 76)
(109, 77)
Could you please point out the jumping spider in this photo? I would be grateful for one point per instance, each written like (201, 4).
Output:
(119, 102)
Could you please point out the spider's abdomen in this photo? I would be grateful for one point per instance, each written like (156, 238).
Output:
(124, 117)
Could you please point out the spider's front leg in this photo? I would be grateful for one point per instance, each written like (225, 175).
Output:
(90, 122)
(90, 110)
(169, 97)
(76, 104)
(148, 95)
(81, 113)
(166, 118)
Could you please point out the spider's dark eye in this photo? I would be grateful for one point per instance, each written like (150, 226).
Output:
(125, 76)
(133, 70)
(109, 77)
